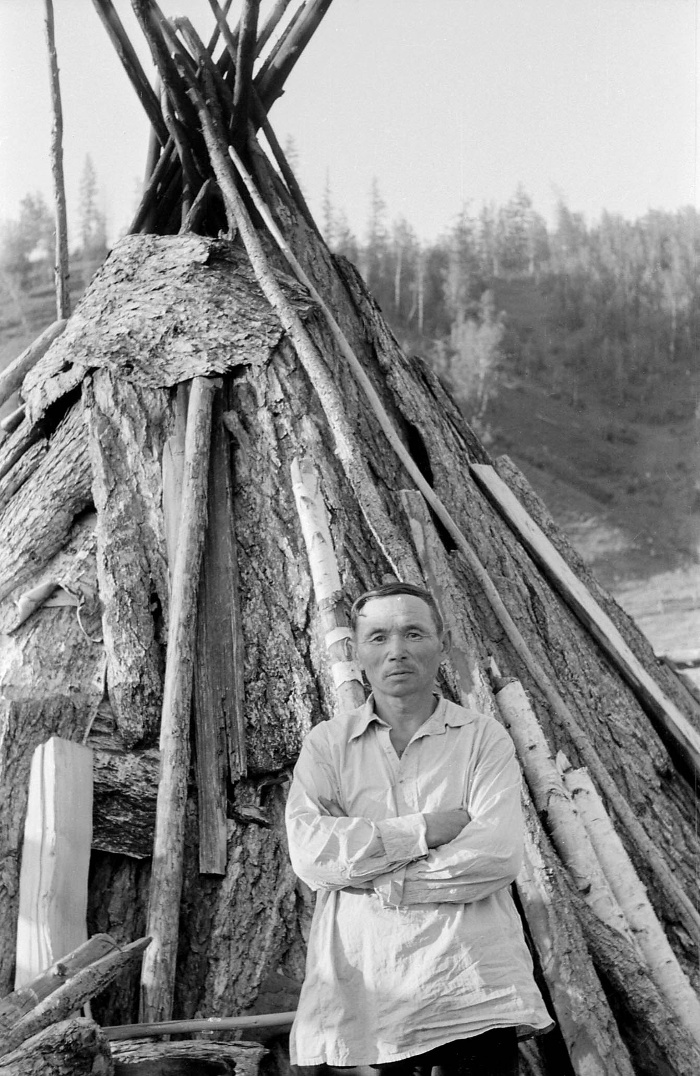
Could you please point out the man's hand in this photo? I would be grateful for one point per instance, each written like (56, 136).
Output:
(441, 827)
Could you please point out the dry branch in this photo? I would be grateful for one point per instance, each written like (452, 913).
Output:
(12, 376)
(158, 975)
(61, 268)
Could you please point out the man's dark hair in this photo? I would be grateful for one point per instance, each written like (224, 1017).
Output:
(389, 590)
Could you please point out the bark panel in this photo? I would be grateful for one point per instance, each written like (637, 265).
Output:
(126, 436)
(36, 522)
(162, 309)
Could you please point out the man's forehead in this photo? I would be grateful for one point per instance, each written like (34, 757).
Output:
(396, 607)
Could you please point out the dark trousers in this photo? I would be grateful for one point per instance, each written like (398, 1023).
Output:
(495, 1053)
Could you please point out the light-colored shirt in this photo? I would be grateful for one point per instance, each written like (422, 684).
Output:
(409, 947)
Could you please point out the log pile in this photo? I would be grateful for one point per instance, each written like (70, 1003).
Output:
(220, 449)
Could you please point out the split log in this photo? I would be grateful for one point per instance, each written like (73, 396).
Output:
(219, 694)
(13, 375)
(74, 1047)
(158, 974)
(188, 1058)
(671, 721)
(83, 985)
(633, 900)
(53, 878)
(328, 590)
(19, 1002)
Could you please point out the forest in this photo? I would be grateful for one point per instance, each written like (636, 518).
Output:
(603, 310)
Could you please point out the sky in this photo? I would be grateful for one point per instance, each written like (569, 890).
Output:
(446, 103)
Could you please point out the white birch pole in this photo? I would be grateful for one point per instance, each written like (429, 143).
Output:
(632, 897)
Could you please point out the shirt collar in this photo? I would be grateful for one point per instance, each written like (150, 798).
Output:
(445, 713)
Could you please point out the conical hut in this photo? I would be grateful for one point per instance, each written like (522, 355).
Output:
(221, 448)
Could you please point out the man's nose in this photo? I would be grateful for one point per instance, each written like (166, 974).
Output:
(397, 646)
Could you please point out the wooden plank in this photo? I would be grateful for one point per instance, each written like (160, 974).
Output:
(219, 700)
(55, 857)
(158, 973)
(666, 716)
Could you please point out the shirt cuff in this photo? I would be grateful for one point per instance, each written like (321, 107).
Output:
(403, 838)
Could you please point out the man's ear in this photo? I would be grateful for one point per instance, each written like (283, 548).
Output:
(446, 642)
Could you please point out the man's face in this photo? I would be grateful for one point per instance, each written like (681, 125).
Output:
(397, 645)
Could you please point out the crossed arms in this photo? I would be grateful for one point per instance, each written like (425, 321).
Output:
(453, 856)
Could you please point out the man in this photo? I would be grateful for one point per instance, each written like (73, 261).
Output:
(405, 816)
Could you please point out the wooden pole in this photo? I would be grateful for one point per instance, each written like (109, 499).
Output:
(61, 269)
(122, 1032)
(388, 537)
(158, 973)
(12, 376)
(328, 590)
(245, 58)
(271, 80)
(665, 715)
(632, 898)
(131, 64)
(565, 828)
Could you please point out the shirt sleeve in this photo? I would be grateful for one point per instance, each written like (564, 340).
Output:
(331, 851)
(487, 854)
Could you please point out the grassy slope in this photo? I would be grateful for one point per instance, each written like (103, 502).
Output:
(626, 488)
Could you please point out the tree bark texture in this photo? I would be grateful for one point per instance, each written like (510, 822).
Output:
(75, 1047)
(161, 311)
(193, 1058)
